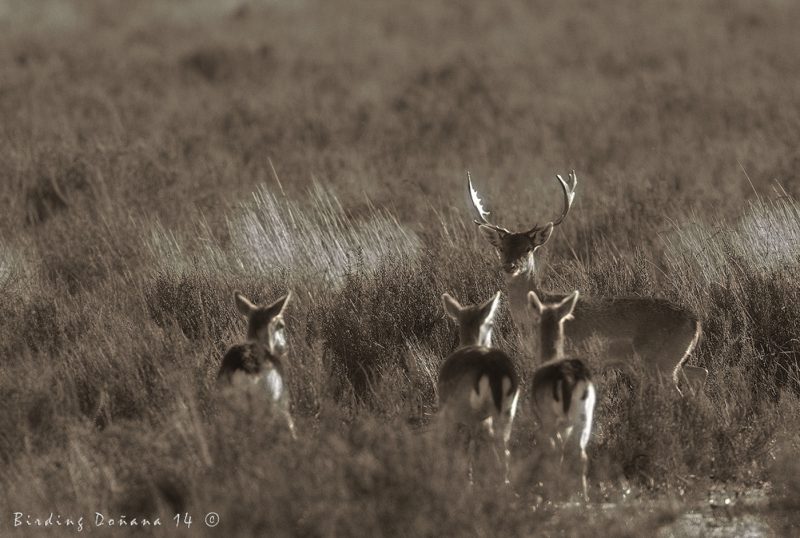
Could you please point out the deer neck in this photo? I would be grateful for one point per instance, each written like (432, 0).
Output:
(551, 342)
(518, 286)
(259, 347)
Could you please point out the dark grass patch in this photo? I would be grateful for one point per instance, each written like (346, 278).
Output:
(57, 189)
(216, 63)
(192, 302)
(110, 354)
(367, 323)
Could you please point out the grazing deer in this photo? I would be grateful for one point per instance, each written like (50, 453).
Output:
(562, 392)
(255, 366)
(660, 332)
(478, 386)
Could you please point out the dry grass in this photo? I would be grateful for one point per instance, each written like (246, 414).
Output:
(158, 155)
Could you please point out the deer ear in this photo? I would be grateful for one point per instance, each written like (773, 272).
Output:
(540, 236)
(451, 306)
(493, 235)
(566, 306)
(279, 305)
(489, 308)
(244, 306)
(535, 303)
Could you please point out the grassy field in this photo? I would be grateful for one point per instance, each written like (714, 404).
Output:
(157, 156)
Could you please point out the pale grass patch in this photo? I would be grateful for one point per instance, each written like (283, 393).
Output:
(765, 239)
(423, 365)
(318, 238)
(17, 270)
(271, 235)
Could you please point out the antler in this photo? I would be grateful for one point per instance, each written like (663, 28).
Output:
(477, 203)
(569, 195)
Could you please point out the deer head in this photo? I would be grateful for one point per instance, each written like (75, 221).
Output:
(265, 323)
(475, 322)
(516, 249)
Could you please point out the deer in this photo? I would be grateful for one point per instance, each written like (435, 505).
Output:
(478, 386)
(660, 333)
(562, 394)
(255, 367)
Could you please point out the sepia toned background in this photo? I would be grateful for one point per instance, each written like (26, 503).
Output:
(157, 156)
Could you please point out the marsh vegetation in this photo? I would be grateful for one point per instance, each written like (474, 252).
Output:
(157, 156)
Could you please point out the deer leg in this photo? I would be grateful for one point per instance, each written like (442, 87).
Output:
(507, 461)
(694, 377)
(501, 446)
(584, 475)
(498, 460)
(471, 451)
(290, 423)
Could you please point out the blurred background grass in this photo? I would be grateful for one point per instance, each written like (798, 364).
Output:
(158, 155)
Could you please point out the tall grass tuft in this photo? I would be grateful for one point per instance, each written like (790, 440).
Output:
(316, 237)
(742, 277)
(366, 324)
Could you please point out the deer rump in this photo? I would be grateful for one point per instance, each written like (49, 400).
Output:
(461, 374)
